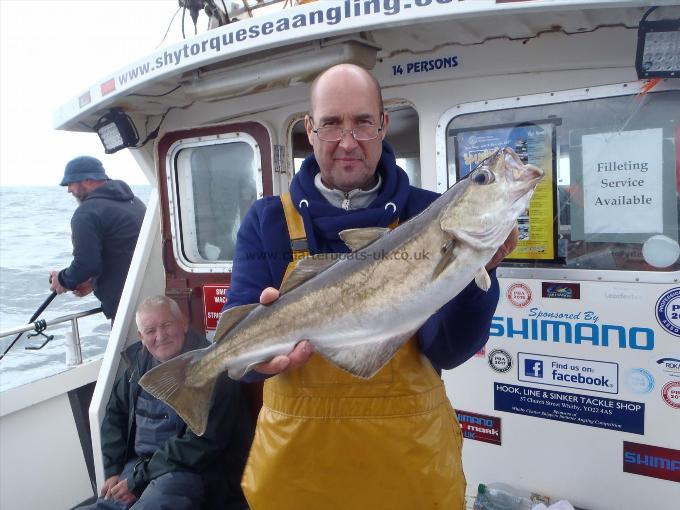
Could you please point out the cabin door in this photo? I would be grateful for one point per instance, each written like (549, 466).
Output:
(209, 177)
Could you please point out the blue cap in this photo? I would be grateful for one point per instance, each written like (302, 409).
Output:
(84, 168)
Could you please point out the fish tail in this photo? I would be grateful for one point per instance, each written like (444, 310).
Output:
(168, 382)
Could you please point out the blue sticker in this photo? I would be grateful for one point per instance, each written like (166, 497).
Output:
(639, 380)
(601, 412)
(668, 311)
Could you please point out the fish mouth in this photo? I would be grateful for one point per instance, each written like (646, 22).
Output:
(528, 173)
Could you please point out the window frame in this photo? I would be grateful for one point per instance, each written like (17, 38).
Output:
(175, 205)
(546, 98)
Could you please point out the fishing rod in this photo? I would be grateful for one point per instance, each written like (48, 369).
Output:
(40, 310)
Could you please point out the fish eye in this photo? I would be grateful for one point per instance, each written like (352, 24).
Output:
(483, 176)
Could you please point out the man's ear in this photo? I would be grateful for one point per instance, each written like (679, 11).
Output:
(386, 122)
(308, 127)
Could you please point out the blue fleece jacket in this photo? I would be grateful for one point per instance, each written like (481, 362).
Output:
(448, 338)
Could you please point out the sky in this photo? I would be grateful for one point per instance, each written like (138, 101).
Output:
(52, 50)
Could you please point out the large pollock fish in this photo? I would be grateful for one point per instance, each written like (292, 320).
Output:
(358, 309)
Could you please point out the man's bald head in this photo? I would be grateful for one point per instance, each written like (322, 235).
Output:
(345, 73)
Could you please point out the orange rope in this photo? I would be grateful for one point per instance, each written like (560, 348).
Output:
(649, 86)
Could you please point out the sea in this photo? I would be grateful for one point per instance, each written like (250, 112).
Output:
(35, 237)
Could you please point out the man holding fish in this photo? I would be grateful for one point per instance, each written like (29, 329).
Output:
(356, 415)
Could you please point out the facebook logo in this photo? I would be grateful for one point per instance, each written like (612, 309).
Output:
(533, 367)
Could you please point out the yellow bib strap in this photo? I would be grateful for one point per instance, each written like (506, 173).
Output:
(296, 233)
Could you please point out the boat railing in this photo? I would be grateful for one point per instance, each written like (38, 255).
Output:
(74, 355)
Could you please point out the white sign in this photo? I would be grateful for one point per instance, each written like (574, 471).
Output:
(622, 182)
(583, 374)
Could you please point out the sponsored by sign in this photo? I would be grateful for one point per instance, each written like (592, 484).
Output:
(600, 412)
(480, 427)
(214, 299)
(654, 461)
(602, 376)
(582, 327)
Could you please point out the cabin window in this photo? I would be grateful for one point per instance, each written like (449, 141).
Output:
(402, 136)
(609, 200)
(215, 184)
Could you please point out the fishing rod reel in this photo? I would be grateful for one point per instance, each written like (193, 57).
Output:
(39, 327)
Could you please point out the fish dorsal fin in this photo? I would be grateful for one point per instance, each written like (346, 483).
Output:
(483, 280)
(447, 258)
(306, 269)
(230, 318)
(357, 238)
(366, 359)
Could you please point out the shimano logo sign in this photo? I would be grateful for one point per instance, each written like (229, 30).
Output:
(583, 374)
(652, 461)
(582, 328)
(649, 460)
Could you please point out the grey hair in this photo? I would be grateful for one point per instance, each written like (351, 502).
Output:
(153, 302)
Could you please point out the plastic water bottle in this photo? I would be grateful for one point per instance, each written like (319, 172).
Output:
(498, 496)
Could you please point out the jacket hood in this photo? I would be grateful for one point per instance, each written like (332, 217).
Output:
(112, 190)
(323, 221)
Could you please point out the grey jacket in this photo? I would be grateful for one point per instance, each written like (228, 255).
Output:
(104, 231)
(219, 455)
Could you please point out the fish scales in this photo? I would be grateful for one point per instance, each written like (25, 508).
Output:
(358, 311)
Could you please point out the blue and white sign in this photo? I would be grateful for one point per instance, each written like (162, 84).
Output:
(583, 374)
(592, 411)
(668, 311)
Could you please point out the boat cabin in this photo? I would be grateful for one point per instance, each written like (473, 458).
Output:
(577, 393)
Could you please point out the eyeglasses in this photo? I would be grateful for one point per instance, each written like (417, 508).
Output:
(361, 133)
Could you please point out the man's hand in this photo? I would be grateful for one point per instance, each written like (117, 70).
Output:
(108, 485)
(83, 289)
(505, 249)
(120, 492)
(54, 283)
(296, 358)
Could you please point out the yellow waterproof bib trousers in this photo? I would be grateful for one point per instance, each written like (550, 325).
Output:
(327, 440)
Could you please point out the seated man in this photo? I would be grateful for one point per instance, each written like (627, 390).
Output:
(151, 459)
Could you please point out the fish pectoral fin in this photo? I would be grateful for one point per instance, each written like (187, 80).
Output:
(483, 280)
(357, 238)
(167, 382)
(447, 258)
(230, 318)
(363, 360)
(307, 269)
(238, 373)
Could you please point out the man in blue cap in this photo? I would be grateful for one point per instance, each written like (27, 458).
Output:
(104, 231)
